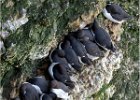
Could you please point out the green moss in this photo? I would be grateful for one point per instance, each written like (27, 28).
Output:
(130, 40)
(12, 10)
(101, 94)
(126, 83)
(46, 19)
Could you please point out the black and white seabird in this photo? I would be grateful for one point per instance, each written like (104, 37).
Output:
(102, 38)
(58, 55)
(79, 50)
(80, 34)
(70, 55)
(59, 85)
(59, 72)
(48, 96)
(41, 82)
(60, 89)
(93, 51)
(115, 13)
(28, 91)
(57, 90)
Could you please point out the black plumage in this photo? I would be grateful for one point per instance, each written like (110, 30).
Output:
(80, 50)
(80, 34)
(28, 92)
(49, 96)
(115, 13)
(102, 38)
(92, 49)
(59, 72)
(71, 56)
(58, 56)
(41, 82)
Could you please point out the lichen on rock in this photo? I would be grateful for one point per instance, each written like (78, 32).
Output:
(45, 25)
(92, 78)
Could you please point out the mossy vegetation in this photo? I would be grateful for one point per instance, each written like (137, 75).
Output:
(49, 19)
(101, 94)
(126, 78)
(48, 22)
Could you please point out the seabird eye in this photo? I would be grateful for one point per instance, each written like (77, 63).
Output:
(24, 92)
(65, 80)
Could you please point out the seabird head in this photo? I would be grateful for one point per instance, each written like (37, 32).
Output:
(85, 33)
(41, 82)
(95, 25)
(28, 92)
(59, 72)
(56, 52)
(65, 44)
(60, 53)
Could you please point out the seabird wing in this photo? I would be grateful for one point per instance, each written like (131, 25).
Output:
(117, 17)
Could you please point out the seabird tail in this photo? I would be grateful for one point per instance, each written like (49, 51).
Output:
(86, 60)
(128, 17)
(112, 48)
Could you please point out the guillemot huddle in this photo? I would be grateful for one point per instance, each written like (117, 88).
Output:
(78, 48)
(38, 88)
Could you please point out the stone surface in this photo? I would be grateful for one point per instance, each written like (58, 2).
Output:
(30, 29)
(92, 78)
(46, 23)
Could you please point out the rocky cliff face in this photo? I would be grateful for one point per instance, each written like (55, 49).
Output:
(93, 78)
(30, 29)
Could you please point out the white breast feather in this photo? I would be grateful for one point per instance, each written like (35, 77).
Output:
(107, 15)
(51, 69)
(60, 94)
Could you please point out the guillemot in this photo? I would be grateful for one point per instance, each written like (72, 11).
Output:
(80, 34)
(80, 50)
(115, 13)
(59, 72)
(60, 89)
(102, 38)
(28, 92)
(71, 56)
(41, 82)
(58, 55)
(93, 51)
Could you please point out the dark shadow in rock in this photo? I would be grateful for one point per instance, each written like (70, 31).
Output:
(9, 80)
